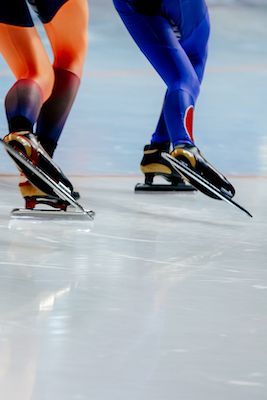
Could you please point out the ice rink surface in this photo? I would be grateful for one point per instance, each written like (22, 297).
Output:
(164, 297)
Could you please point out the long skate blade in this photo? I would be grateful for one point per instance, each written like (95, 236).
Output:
(50, 215)
(192, 176)
(181, 187)
(59, 188)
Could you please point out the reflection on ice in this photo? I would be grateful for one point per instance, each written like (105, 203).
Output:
(47, 303)
(62, 225)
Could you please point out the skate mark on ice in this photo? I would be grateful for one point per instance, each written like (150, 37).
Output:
(125, 238)
(260, 287)
(141, 259)
(17, 264)
(246, 383)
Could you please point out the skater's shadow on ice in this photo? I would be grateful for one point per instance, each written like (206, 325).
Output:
(168, 215)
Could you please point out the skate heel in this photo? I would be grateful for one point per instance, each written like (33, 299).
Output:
(149, 178)
(153, 164)
(30, 203)
(53, 202)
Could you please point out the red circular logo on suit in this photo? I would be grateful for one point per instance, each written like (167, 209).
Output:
(188, 121)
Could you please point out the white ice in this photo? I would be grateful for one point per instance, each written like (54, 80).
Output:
(165, 296)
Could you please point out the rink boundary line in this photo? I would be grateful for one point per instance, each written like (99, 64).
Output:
(124, 176)
(144, 72)
(120, 73)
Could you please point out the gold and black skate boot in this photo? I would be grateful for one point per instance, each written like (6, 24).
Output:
(193, 158)
(33, 189)
(153, 164)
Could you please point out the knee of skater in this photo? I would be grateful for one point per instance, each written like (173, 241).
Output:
(41, 73)
(190, 84)
(72, 64)
(43, 77)
(72, 58)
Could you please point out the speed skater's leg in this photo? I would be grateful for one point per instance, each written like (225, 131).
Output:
(25, 54)
(66, 25)
(157, 40)
(194, 30)
(194, 27)
(157, 37)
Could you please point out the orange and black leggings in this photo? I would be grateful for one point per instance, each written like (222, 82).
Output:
(43, 93)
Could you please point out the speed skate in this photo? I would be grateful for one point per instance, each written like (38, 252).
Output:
(61, 204)
(201, 183)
